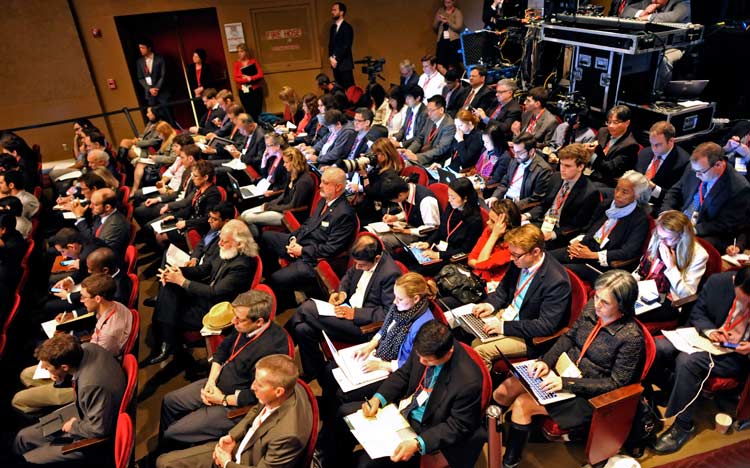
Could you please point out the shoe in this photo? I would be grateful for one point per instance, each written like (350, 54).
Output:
(165, 351)
(673, 440)
(150, 301)
(517, 437)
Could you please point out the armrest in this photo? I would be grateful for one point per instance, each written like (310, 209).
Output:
(530, 205)
(237, 412)
(623, 264)
(274, 193)
(537, 340)
(570, 232)
(685, 300)
(615, 396)
(370, 328)
(290, 221)
(79, 444)
(493, 185)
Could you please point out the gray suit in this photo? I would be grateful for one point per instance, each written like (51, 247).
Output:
(419, 122)
(280, 441)
(676, 11)
(439, 144)
(544, 128)
(100, 384)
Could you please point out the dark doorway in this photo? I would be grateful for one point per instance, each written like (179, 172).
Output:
(176, 34)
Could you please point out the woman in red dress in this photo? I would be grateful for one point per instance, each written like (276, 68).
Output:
(249, 78)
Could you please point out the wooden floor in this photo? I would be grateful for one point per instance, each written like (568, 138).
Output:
(536, 454)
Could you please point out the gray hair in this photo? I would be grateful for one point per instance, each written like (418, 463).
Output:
(508, 83)
(335, 175)
(99, 155)
(623, 287)
(260, 304)
(641, 186)
(407, 64)
(242, 236)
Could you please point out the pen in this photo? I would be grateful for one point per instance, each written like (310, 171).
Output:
(62, 317)
(367, 402)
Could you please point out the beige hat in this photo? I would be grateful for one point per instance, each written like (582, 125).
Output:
(219, 317)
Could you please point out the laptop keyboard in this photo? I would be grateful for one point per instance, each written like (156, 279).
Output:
(534, 383)
(477, 325)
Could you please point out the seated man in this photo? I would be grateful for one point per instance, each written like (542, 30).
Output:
(536, 119)
(12, 206)
(432, 144)
(210, 121)
(187, 293)
(444, 387)
(364, 296)
(108, 223)
(100, 385)
(11, 183)
(615, 150)
(406, 197)
(720, 315)
(114, 323)
(662, 162)
(12, 250)
(527, 179)
(207, 249)
(712, 194)
(198, 412)
(571, 198)
(324, 235)
(533, 298)
(250, 149)
(69, 242)
(505, 112)
(274, 433)
(477, 94)
(415, 119)
(337, 145)
(452, 91)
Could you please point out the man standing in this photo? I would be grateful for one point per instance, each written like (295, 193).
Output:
(152, 71)
(340, 42)
(431, 81)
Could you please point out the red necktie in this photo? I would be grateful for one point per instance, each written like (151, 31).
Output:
(652, 168)
(469, 98)
(208, 116)
(99, 229)
(621, 8)
(497, 111)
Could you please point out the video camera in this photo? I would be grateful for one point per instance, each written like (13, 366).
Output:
(372, 67)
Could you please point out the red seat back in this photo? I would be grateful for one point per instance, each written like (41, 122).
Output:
(422, 177)
(8, 321)
(486, 380)
(650, 345)
(130, 366)
(193, 238)
(135, 328)
(129, 211)
(402, 267)
(133, 232)
(222, 192)
(29, 249)
(266, 289)
(714, 258)
(310, 449)
(441, 193)
(258, 275)
(135, 283)
(328, 277)
(438, 312)
(131, 257)
(124, 191)
(124, 441)
(578, 296)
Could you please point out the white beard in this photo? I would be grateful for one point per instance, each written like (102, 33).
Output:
(228, 254)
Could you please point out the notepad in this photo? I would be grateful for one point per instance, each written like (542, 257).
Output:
(176, 256)
(380, 435)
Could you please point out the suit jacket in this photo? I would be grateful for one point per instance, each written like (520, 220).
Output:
(543, 129)
(115, 232)
(724, 211)
(82, 272)
(627, 237)
(420, 121)
(510, 113)
(196, 213)
(100, 384)
(621, 157)
(453, 412)
(207, 77)
(340, 148)
(676, 11)
(464, 232)
(206, 252)
(535, 183)
(413, 80)
(441, 141)
(361, 146)
(669, 173)
(340, 45)
(379, 292)
(281, 439)
(206, 122)
(575, 214)
(227, 278)
(465, 154)
(327, 234)
(157, 74)
(484, 98)
(451, 104)
(546, 305)
(255, 150)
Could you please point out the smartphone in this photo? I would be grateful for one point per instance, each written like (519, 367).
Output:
(67, 262)
(726, 344)
(54, 290)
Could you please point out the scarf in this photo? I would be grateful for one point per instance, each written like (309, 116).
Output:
(614, 212)
(644, 268)
(396, 326)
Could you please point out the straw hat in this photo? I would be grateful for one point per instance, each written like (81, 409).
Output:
(219, 317)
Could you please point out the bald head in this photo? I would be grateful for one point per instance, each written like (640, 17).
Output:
(102, 260)
(332, 183)
(103, 202)
(97, 158)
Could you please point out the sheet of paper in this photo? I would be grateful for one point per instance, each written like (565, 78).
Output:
(736, 260)
(235, 164)
(70, 175)
(176, 256)
(378, 227)
(146, 161)
(147, 190)
(209, 332)
(692, 336)
(256, 209)
(325, 309)
(380, 436)
(565, 367)
(69, 215)
(679, 342)
(41, 373)
(158, 229)
(49, 327)
(291, 126)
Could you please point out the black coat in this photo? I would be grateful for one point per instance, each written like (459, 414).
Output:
(669, 173)
(340, 45)
(627, 237)
(535, 183)
(621, 157)
(484, 98)
(327, 234)
(378, 296)
(510, 113)
(575, 214)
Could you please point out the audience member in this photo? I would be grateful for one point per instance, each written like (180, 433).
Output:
(431, 81)
(535, 119)
(477, 95)
(11, 184)
(248, 76)
(415, 120)
(433, 143)
(467, 146)
(616, 150)
(506, 111)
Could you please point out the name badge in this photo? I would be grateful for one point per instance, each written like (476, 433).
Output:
(422, 397)
(149, 81)
(549, 223)
(404, 403)
(604, 242)
(446, 34)
(587, 172)
(510, 313)
(324, 224)
(442, 246)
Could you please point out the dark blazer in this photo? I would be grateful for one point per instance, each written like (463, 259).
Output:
(420, 121)
(676, 11)
(543, 129)
(379, 293)
(439, 149)
(669, 173)
(326, 234)
(413, 80)
(227, 278)
(453, 412)
(339, 149)
(627, 237)
(546, 306)
(206, 122)
(254, 152)
(361, 145)
(510, 113)
(501, 167)
(452, 105)
(484, 98)
(206, 252)
(207, 77)
(340, 45)
(465, 232)
(465, 154)
(196, 213)
(115, 232)
(158, 73)
(11, 255)
(299, 194)
(621, 157)
(123, 288)
(575, 214)
(724, 211)
(82, 272)
(534, 185)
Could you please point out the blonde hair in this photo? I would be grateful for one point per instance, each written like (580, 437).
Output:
(164, 128)
(295, 156)
(676, 222)
(526, 237)
(109, 179)
(387, 149)
(416, 285)
(287, 94)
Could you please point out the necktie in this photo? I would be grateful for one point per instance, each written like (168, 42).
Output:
(99, 226)
(408, 123)
(353, 152)
(208, 116)
(469, 98)
(426, 383)
(608, 146)
(621, 7)
(428, 143)
(652, 168)
(497, 111)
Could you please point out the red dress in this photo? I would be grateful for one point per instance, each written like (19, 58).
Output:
(494, 268)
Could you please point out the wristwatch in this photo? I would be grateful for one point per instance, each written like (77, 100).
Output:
(224, 401)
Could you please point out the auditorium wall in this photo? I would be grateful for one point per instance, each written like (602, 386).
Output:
(46, 75)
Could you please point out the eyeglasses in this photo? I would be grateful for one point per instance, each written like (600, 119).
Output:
(517, 256)
(703, 171)
(614, 122)
(502, 91)
(358, 120)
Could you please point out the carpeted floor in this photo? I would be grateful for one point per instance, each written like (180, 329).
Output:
(732, 456)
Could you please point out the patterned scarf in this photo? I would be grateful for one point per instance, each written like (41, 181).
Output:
(644, 268)
(396, 326)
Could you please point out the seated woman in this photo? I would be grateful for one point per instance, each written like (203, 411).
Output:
(494, 158)
(271, 165)
(389, 164)
(171, 179)
(675, 260)
(396, 114)
(490, 256)
(133, 148)
(390, 347)
(292, 107)
(166, 154)
(379, 104)
(460, 227)
(192, 213)
(607, 360)
(617, 232)
(467, 145)
(299, 189)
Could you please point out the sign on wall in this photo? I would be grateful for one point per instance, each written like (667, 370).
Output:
(285, 37)
(235, 35)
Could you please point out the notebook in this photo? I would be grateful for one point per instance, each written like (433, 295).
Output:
(350, 375)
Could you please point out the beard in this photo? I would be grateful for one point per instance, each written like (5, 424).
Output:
(228, 254)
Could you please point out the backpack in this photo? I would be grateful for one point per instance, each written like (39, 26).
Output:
(459, 282)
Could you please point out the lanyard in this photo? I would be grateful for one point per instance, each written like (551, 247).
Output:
(605, 234)
(730, 325)
(109, 316)
(421, 382)
(523, 286)
(199, 194)
(532, 123)
(236, 351)
(589, 340)
(427, 81)
(451, 231)
(407, 212)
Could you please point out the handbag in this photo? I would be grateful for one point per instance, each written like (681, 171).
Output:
(459, 282)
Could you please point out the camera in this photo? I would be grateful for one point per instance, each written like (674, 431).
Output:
(358, 164)
(372, 67)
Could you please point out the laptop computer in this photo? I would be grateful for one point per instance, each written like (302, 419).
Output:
(418, 254)
(685, 88)
(532, 385)
(249, 191)
(219, 142)
(473, 324)
(351, 368)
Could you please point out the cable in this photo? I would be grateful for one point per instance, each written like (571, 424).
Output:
(700, 390)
